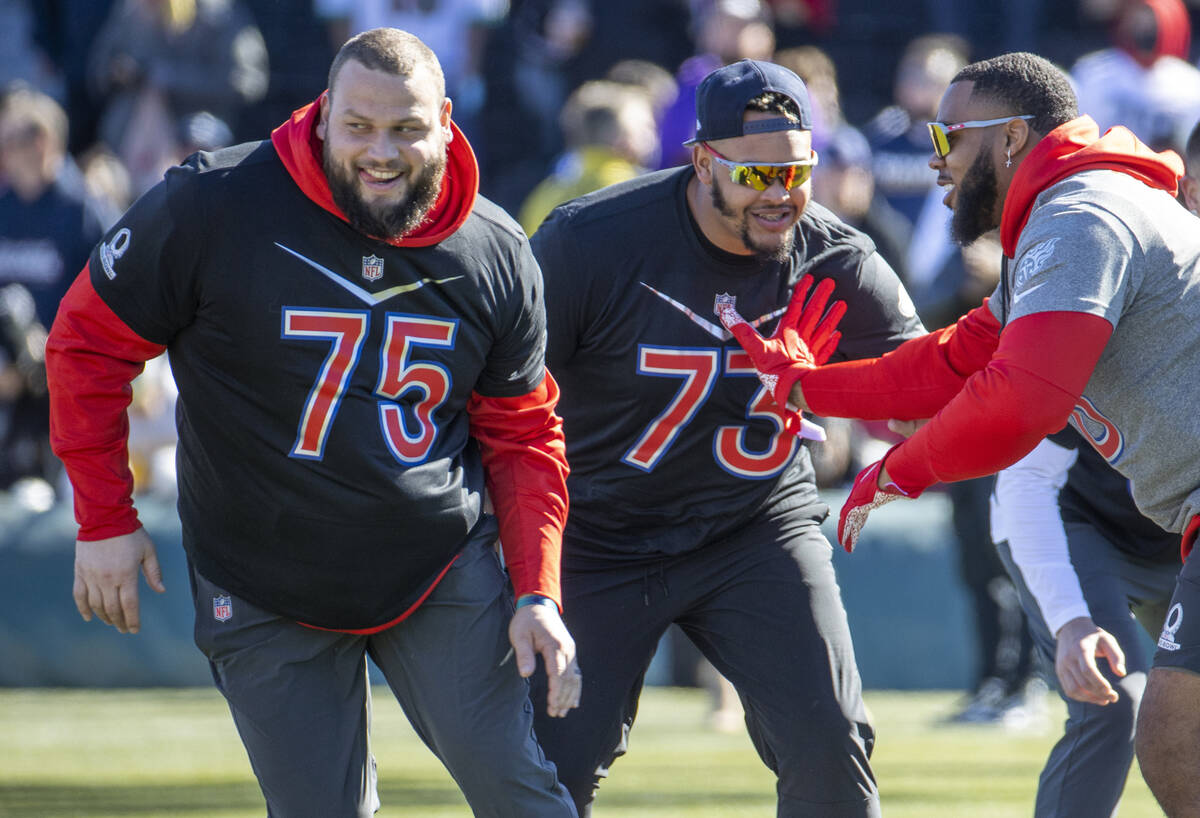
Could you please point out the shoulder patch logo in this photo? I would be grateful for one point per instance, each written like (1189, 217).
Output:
(1166, 641)
(1032, 263)
(372, 268)
(110, 251)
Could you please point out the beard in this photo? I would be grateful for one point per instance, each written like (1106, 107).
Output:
(385, 220)
(763, 252)
(976, 202)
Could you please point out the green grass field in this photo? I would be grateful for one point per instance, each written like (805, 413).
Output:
(175, 754)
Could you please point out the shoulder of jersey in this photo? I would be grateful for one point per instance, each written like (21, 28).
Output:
(823, 228)
(490, 213)
(622, 200)
(244, 155)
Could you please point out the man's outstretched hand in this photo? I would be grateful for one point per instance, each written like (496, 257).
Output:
(866, 496)
(805, 338)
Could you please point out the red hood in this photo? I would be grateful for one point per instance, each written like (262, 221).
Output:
(299, 148)
(1077, 146)
(1173, 32)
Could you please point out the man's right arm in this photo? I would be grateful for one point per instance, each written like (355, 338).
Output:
(1026, 514)
(912, 382)
(92, 358)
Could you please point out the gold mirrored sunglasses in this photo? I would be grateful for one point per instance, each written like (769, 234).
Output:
(761, 175)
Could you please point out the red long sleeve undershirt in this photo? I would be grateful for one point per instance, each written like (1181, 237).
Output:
(913, 381)
(1012, 399)
(525, 464)
(92, 358)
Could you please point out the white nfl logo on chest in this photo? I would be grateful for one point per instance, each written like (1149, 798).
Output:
(723, 300)
(372, 269)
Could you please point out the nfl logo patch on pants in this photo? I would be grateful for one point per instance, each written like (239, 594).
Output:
(222, 608)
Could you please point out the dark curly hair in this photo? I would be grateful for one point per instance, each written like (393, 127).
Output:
(1026, 83)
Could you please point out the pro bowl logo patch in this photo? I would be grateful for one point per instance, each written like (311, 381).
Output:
(372, 269)
(222, 608)
(110, 251)
(1166, 640)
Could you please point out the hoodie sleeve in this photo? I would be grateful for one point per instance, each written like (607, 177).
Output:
(525, 465)
(92, 358)
(1005, 409)
(913, 381)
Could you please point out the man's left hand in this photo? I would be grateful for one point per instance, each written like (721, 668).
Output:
(538, 629)
(1078, 644)
(872, 489)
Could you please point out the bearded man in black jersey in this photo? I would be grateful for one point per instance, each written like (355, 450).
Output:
(358, 340)
(692, 501)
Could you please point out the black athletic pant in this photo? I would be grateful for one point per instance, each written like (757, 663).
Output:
(765, 608)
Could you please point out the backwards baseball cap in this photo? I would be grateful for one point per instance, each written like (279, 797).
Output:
(722, 96)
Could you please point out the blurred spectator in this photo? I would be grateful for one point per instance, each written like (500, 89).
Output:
(526, 87)
(105, 178)
(632, 29)
(300, 53)
(725, 31)
(844, 181)
(66, 29)
(456, 30)
(898, 137)
(157, 61)
(48, 223)
(1143, 80)
(610, 135)
(1189, 186)
(22, 58)
(152, 433)
(24, 404)
(817, 70)
(654, 80)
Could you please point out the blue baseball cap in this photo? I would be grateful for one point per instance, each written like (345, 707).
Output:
(722, 96)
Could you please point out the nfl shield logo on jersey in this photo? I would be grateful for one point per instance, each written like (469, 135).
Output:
(723, 300)
(372, 268)
(222, 608)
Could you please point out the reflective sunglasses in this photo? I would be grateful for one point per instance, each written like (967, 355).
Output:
(940, 132)
(761, 175)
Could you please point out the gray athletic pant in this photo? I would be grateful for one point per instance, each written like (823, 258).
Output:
(301, 700)
(764, 607)
(1087, 768)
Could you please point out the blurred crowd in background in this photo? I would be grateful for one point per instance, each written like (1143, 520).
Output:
(558, 98)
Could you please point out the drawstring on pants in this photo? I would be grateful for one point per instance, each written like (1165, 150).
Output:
(658, 572)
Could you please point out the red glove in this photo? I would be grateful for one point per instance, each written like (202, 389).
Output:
(865, 497)
(802, 341)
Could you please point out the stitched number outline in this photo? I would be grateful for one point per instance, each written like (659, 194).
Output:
(699, 368)
(409, 429)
